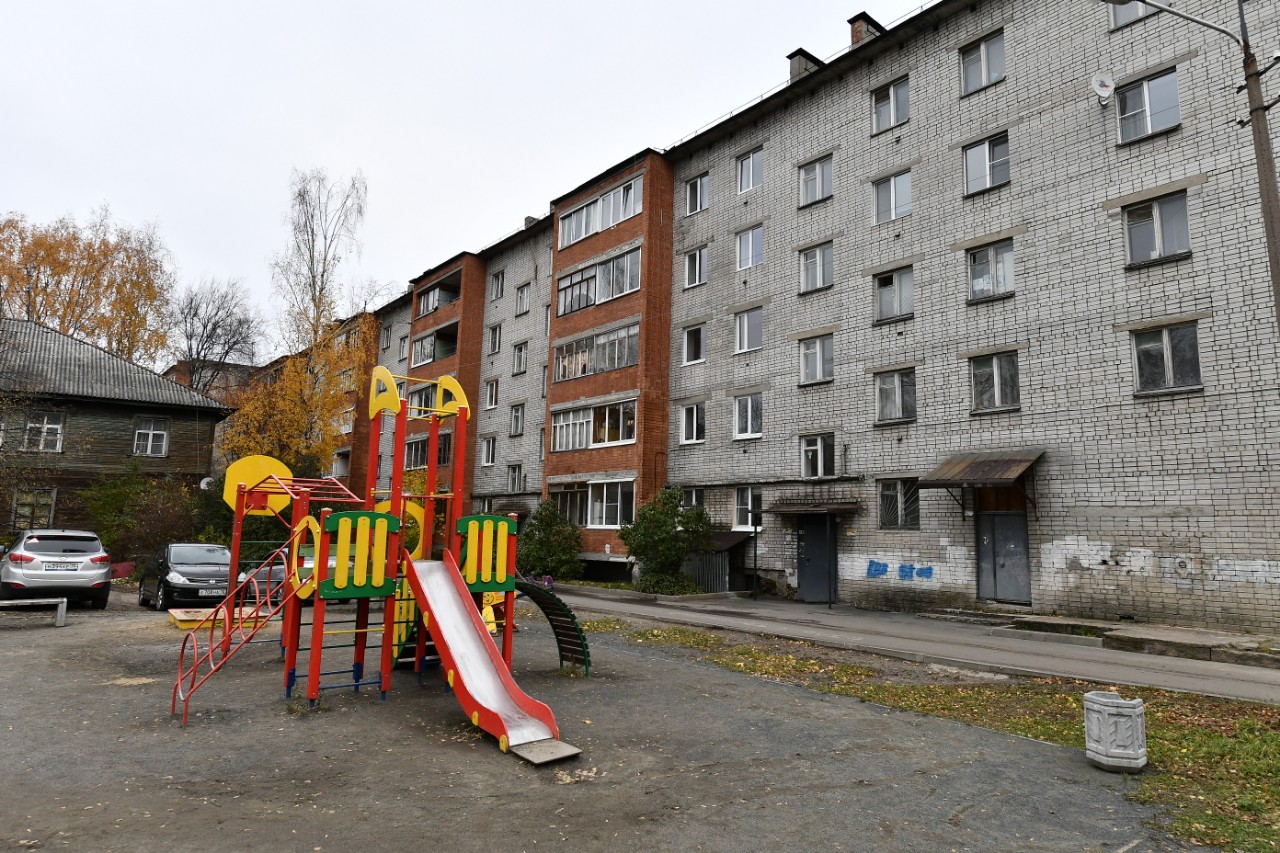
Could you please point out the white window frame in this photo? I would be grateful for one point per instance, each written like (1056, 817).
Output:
(693, 496)
(1127, 13)
(700, 332)
(999, 365)
(403, 351)
(695, 267)
(817, 267)
(497, 285)
(695, 193)
(991, 66)
(488, 451)
(693, 423)
(750, 170)
(386, 337)
(748, 416)
(421, 400)
(424, 350)
(895, 409)
(815, 180)
(622, 203)
(45, 425)
(900, 283)
(896, 97)
(415, 454)
(1165, 345)
(818, 455)
(997, 259)
(602, 494)
(748, 508)
(896, 187)
(515, 478)
(743, 328)
(517, 419)
(495, 339)
(622, 414)
(522, 298)
(751, 247)
(571, 429)
(1162, 222)
(147, 429)
(983, 168)
(519, 358)
(817, 359)
(491, 394)
(1149, 125)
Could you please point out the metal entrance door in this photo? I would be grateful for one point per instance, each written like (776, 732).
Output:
(816, 559)
(1004, 566)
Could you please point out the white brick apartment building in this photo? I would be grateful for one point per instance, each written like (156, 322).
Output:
(965, 335)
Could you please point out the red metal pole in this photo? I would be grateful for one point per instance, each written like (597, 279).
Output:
(321, 574)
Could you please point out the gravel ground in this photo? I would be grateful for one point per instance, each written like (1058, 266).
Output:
(677, 755)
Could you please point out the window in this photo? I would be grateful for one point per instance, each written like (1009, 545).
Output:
(542, 442)
(695, 267)
(599, 353)
(816, 361)
(346, 420)
(421, 400)
(604, 212)
(491, 394)
(748, 412)
(815, 181)
(151, 437)
(488, 450)
(423, 350)
(750, 330)
(33, 508)
(415, 455)
(982, 63)
(44, 432)
(986, 164)
(495, 339)
(991, 270)
(386, 337)
(818, 455)
(1127, 13)
(693, 345)
(893, 197)
(1148, 106)
(614, 424)
(751, 248)
(497, 283)
(515, 478)
(434, 297)
(689, 498)
(544, 381)
(1167, 358)
(546, 319)
(612, 503)
(444, 450)
(571, 500)
(571, 430)
(748, 508)
(695, 194)
(517, 419)
(519, 358)
(403, 352)
(995, 381)
(751, 170)
(899, 505)
(593, 284)
(1157, 229)
(816, 268)
(693, 424)
(522, 298)
(890, 105)
(896, 396)
(895, 294)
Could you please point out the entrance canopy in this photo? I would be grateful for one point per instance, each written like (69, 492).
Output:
(982, 469)
(810, 507)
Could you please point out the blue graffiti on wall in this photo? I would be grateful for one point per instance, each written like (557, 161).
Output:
(906, 571)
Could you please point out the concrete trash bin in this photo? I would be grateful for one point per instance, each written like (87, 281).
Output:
(1115, 732)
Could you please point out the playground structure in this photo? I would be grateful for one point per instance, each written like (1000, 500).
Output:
(355, 547)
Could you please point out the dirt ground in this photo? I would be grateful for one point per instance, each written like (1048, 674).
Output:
(677, 755)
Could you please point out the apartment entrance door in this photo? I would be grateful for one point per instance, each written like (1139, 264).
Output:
(1004, 563)
(816, 557)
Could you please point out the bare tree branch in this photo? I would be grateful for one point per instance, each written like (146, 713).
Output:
(214, 323)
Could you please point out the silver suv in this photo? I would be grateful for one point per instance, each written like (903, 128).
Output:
(68, 563)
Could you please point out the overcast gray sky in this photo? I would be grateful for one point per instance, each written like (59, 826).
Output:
(464, 116)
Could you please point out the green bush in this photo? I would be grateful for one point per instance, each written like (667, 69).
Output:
(549, 544)
(677, 584)
(135, 515)
(662, 536)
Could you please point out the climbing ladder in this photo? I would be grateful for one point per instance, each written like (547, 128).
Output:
(571, 642)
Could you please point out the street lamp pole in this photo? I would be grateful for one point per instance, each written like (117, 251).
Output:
(1268, 191)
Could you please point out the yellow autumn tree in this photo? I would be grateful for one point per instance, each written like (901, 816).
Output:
(102, 282)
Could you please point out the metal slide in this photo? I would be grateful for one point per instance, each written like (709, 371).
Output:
(475, 670)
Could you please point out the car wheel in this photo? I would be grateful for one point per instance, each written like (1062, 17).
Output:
(162, 597)
(142, 594)
(99, 601)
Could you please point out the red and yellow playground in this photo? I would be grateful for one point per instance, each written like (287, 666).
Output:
(352, 551)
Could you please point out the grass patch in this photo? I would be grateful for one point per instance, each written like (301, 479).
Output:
(688, 638)
(600, 584)
(605, 625)
(1214, 764)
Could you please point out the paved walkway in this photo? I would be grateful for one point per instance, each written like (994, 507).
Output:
(959, 644)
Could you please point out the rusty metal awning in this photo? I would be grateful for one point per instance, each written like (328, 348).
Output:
(814, 507)
(986, 468)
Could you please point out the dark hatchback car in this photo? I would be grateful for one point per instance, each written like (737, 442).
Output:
(192, 574)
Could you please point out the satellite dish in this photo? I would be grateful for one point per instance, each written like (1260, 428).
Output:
(1103, 86)
(206, 483)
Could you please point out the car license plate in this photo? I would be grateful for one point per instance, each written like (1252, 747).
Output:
(60, 566)
(210, 593)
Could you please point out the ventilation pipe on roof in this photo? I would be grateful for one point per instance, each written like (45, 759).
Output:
(863, 28)
(803, 63)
